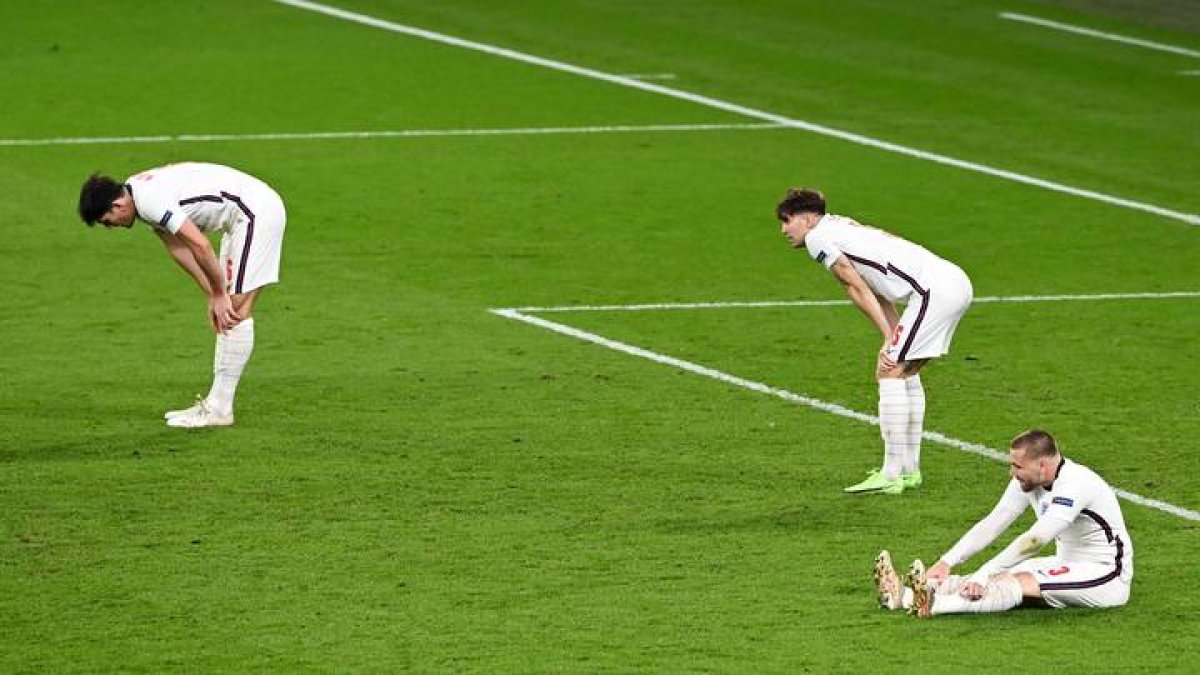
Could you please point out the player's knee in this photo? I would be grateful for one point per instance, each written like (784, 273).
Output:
(1029, 585)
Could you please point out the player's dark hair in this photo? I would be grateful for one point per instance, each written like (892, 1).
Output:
(97, 196)
(800, 200)
(1036, 444)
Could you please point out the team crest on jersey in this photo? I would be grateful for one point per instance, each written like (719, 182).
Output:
(1065, 501)
(821, 257)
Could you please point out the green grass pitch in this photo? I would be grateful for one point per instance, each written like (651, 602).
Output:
(415, 483)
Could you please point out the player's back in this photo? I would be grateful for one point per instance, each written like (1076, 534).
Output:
(195, 178)
(892, 266)
(885, 248)
(213, 196)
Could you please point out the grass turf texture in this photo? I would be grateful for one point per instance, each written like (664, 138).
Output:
(415, 483)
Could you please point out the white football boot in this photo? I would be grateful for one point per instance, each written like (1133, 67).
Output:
(199, 415)
(185, 411)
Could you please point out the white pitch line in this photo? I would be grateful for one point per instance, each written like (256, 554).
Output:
(1080, 30)
(830, 303)
(401, 133)
(824, 406)
(649, 76)
(744, 111)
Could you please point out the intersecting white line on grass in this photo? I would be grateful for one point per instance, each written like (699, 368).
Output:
(824, 406)
(385, 133)
(831, 303)
(1114, 37)
(727, 106)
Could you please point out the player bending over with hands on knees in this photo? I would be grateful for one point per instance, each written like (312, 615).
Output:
(181, 203)
(878, 270)
(1092, 566)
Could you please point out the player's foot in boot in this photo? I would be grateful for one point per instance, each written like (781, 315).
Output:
(875, 483)
(887, 582)
(922, 599)
(185, 411)
(912, 480)
(200, 415)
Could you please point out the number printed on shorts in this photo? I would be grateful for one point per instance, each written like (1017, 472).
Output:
(1058, 571)
(896, 334)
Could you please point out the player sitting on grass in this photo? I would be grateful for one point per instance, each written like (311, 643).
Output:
(1092, 567)
(879, 269)
(181, 202)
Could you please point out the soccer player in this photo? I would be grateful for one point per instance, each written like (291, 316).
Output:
(878, 270)
(181, 203)
(1092, 567)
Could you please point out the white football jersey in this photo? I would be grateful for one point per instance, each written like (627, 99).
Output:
(1080, 497)
(894, 268)
(213, 196)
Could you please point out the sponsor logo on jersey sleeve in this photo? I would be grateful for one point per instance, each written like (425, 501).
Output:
(1065, 501)
(821, 257)
(166, 219)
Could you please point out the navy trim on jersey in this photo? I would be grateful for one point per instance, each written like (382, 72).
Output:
(923, 292)
(241, 275)
(1092, 583)
(868, 263)
(200, 198)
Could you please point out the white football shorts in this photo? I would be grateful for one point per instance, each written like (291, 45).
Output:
(930, 318)
(251, 250)
(1077, 584)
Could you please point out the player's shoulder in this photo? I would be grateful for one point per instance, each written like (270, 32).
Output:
(1077, 481)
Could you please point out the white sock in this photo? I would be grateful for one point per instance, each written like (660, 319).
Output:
(999, 595)
(229, 359)
(916, 423)
(893, 425)
(950, 585)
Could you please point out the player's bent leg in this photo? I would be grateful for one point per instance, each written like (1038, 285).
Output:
(911, 472)
(230, 355)
(243, 303)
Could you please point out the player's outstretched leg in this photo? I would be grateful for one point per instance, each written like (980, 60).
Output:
(887, 582)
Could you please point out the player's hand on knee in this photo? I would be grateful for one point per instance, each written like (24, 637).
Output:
(886, 367)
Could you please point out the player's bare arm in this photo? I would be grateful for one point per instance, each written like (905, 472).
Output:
(182, 255)
(861, 295)
(889, 311)
(220, 307)
(868, 303)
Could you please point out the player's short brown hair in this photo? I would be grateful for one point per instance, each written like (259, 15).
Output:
(97, 196)
(1036, 444)
(800, 200)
